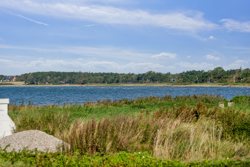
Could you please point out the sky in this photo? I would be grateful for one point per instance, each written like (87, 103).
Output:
(124, 36)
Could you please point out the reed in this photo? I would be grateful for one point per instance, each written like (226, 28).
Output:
(45, 120)
(191, 128)
(163, 137)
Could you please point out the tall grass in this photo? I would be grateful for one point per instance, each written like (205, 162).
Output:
(164, 137)
(27, 118)
(108, 108)
(187, 128)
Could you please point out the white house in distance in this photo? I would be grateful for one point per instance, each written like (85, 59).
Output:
(7, 126)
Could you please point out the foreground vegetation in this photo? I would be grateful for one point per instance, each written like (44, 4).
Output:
(180, 131)
(121, 159)
(217, 75)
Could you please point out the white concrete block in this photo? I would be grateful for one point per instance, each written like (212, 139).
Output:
(4, 101)
(4, 105)
(7, 126)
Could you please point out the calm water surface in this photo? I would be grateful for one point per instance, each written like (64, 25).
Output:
(74, 95)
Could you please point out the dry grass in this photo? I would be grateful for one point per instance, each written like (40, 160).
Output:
(164, 137)
(194, 141)
(182, 128)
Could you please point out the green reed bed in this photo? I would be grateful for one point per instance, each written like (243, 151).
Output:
(109, 108)
(53, 118)
(186, 129)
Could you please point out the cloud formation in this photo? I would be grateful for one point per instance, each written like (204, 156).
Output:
(184, 21)
(195, 65)
(239, 63)
(52, 64)
(104, 59)
(234, 25)
(212, 57)
(164, 55)
(84, 51)
(30, 19)
(211, 37)
(83, 35)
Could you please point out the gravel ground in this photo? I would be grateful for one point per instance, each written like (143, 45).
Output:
(31, 140)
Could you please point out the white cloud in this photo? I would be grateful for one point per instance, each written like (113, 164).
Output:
(142, 67)
(29, 19)
(239, 63)
(80, 2)
(112, 15)
(103, 59)
(211, 37)
(84, 51)
(18, 65)
(79, 58)
(212, 57)
(97, 52)
(243, 50)
(116, 2)
(194, 66)
(234, 25)
(4, 61)
(4, 46)
(50, 64)
(164, 55)
(89, 25)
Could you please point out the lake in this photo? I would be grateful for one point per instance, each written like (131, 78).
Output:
(58, 95)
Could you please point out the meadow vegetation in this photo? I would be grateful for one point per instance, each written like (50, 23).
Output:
(166, 131)
(121, 159)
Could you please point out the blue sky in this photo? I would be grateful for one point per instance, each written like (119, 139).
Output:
(123, 35)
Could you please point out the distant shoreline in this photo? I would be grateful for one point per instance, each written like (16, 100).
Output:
(21, 84)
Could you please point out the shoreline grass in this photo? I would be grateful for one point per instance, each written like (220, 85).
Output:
(184, 129)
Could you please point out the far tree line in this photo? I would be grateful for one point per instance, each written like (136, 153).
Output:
(217, 75)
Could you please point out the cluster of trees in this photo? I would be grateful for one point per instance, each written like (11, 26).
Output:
(217, 75)
(1, 77)
(4, 78)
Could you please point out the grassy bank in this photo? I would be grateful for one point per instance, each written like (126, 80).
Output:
(187, 129)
